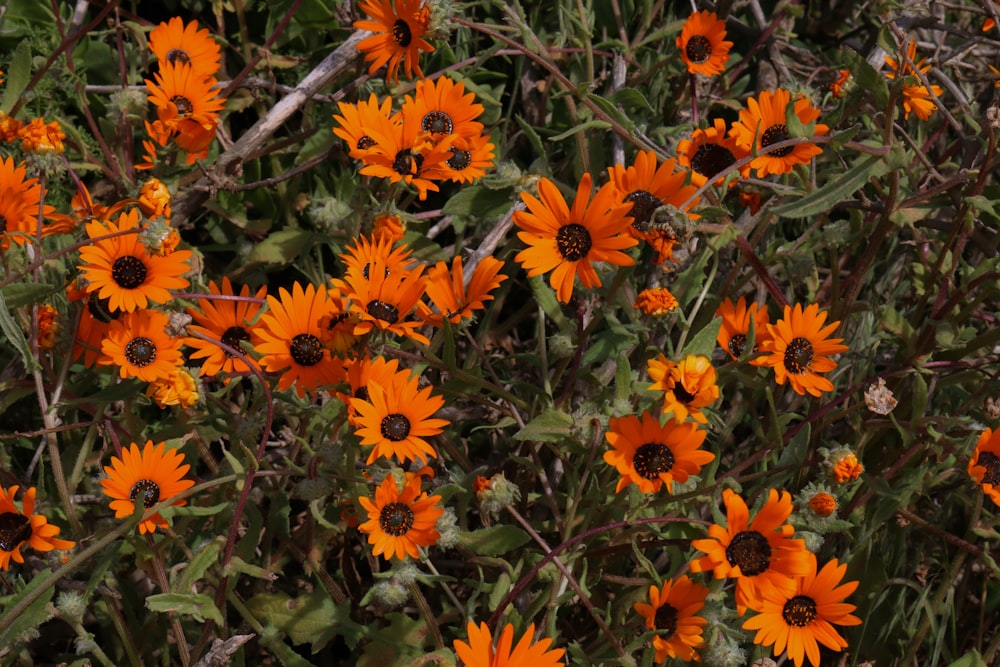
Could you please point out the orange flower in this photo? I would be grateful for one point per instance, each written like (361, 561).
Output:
(795, 620)
(10, 128)
(388, 227)
(688, 385)
(657, 302)
(95, 320)
(360, 255)
(187, 106)
(799, 348)
(735, 329)
(174, 42)
(984, 464)
(651, 455)
(479, 650)
(20, 204)
(671, 613)
(763, 123)
(41, 137)
(385, 299)
(567, 241)
(139, 345)
(361, 372)
(761, 554)
(403, 152)
(646, 187)
(444, 108)
(843, 465)
(178, 388)
(355, 120)
(703, 44)
(154, 199)
(399, 27)
(292, 339)
(153, 474)
(711, 151)
(49, 326)
(823, 504)
(230, 321)
(396, 418)
(400, 521)
(23, 528)
(122, 270)
(916, 97)
(839, 87)
(470, 158)
(455, 301)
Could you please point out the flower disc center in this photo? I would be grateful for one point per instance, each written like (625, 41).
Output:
(232, 337)
(140, 351)
(14, 529)
(437, 122)
(183, 104)
(698, 49)
(737, 344)
(710, 159)
(148, 489)
(395, 427)
(407, 163)
(773, 135)
(573, 241)
(365, 142)
(799, 611)
(991, 462)
(643, 206)
(306, 349)
(401, 33)
(749, 551)
(381, 310)
(460, 159)
(178, 56)
(798, 355)
(652, 459)
(100, 309)
(128, 272)
(665, 620)
(396, 519)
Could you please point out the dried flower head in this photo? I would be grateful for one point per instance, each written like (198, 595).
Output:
(879, 398)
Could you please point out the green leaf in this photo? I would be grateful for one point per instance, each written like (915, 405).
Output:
(970, 659)
(36, 613)
(205, 558)
(239, 566)
(494, 540)
(704, 341)
(836, 190)
(583, 127)
(12, 332)
(24, 294)
(550, 426)
(199, 606)
(546, 298)
(868, 78)
(632, 98)
(311, 618)
(282, 246)
(479, 203)
(536, 141)
(18, 75)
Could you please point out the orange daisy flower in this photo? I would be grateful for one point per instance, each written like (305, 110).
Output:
(355, 120)
(153, 474)
(711, 151)
(360, 372)
(180, 94)
(226, 320)
(154, 199)
(916, 97)
(800, 619)
(672, 614)
(470, 158)
(479, 650)
(20, 204)
(646, 187)
(735, 329)
(656, 302)
(174, 42)
(402, 152)
(292, 339)
(400, 521)
(444, 108)
(688, 385)
(799, 348)
(761, 554)
(360, 255)
(388, 227)
(396, 419)
(763, 123)
(37, 136)
(23, 528)
(139, 345)
(984, 464)
(703, 44)
(843, 464)
(49, 326)
(122, 270)
(399, 27)
(651, 455)
(339, 323)
(567, 241)
(455, 301)
(840, 87)
(385, 299)
(92, 327)
(178, 388)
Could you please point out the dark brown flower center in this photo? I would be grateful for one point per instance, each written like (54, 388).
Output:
(665, 620)
(395, 427)
(401, 33)
(737, 344)
(381, 310)
(306, 349)
(365, 142)
(396, 519)
(750, 551)
(698, 49)
(140, 351)
(183, 104)
(652, 459)
(362, 393)
(407, 163)
(800, 611)
(773, 135)
(682, 394)
(460, 159)
(643, 206)
(14, 529)
(798, 355)
(991, 462)
(573, 241)
(233, 336)
(710, 159)
(175, 56)
(100, 309)
(437, 122)
(3, 224)
(149, 491)
(128, 272)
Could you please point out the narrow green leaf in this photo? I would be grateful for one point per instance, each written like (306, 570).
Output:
(494, 540)
(583, 127)
(203, 559)
(281, 247)
(18, 75)
(199, 606)
(704, 341)
(23, 294)
(536, 141)
(12, 332)
(239, 566)
(836, 190)
(868, 78)
(550, 426)
(32, 617)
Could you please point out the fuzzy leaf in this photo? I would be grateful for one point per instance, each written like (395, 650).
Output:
(704, 341)
(312, 618)
(837, 189)
(199, 606)
(281, 247)
(494, 540)
(18, 75)
(550, 426)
